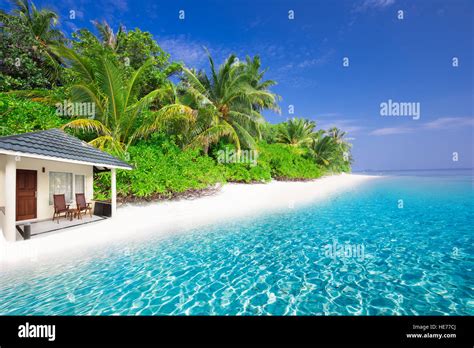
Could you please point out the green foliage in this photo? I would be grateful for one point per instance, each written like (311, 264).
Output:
(18, 115)
(162, 171)
(23, 65)
(129, 50)
(269, 132)
(234, 94)
(286, 162)
(330, 150)
(118, 105)
(162, 128)
(296, 132)
(26, 37)
(247, 173)
(277, 161)
(241, 166)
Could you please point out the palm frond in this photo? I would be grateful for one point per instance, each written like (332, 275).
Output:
(81, 65)
(132, 83)
(213, 134)
(194, 81)
(166, 115)
(88, 125)
(83, 93)
(110, 79)
(107, 142)
(244, 136)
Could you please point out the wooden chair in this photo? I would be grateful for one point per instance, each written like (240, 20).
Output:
(82, 205)
(60, 207)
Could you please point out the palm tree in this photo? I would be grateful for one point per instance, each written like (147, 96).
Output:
(119, 116)
(337, 134)
(330, 149)
(323, 148)
(42, 26)
(255, 76)
(232, 100)
(296, 132)
(343, 145)
(107, 35)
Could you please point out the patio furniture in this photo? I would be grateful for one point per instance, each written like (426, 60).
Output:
(60, 207)
(82, 205)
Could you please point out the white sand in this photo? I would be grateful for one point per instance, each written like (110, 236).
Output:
(138, 221)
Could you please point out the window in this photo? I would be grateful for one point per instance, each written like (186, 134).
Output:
(60, 183)
(79, 183)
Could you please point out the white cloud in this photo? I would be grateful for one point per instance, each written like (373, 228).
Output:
(116, 5)
(373, 4)
(182, 48)
(391, 131)
(192, 52)
(347, 125)
(450, 122)
(329, 114)
(439, 123)
(316, 61)
(310, 62)
(112, 11)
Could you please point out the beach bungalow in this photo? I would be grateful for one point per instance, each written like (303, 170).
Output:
(36, 168)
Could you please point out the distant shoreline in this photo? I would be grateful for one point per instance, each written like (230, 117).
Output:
(408, 170)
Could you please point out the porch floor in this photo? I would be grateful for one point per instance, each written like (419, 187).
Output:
(41, 227)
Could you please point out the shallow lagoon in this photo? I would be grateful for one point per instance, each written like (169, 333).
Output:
(413, 254)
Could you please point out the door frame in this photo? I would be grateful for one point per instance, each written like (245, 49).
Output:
(17, 196)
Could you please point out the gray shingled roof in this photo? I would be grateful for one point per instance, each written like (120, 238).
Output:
(56, 144)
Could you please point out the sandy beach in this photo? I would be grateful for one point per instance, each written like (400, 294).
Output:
(135, 221)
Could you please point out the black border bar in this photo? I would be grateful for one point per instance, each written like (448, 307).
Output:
(218, 330)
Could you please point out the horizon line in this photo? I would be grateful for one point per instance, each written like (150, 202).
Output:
(409, 170)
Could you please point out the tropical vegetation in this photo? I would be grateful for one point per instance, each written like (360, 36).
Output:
(169, 120)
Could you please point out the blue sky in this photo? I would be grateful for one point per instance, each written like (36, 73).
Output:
(407, 60)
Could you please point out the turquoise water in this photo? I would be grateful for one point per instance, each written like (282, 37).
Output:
(414, 257)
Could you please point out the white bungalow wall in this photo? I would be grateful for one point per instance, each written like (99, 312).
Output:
(44, 209)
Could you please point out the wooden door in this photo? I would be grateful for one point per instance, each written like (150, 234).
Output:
(26, 187)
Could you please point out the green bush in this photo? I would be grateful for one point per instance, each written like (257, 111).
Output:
(23, 64)
(243, 172)
(244, 169)
(277, 161)
(18, 115)
(161, 171)
(287, 162)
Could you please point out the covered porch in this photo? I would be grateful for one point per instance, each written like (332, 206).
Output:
(41, 228)
(37, 167)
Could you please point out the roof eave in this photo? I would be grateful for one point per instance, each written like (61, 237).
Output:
(60, 159)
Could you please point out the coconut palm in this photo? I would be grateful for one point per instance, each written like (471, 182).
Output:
(343, 146)
(119, 112)
(330, 149)
(337, 134)
(296, 132)
(323, 148)
(252, 68)
(107, 35)
(232, 101)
